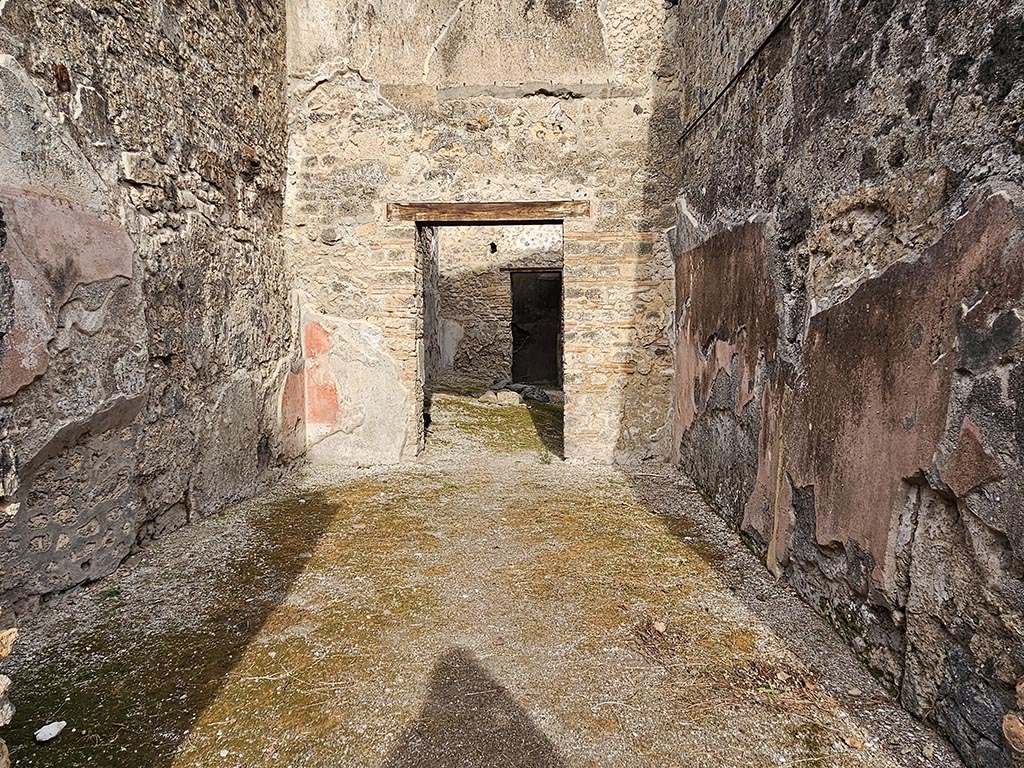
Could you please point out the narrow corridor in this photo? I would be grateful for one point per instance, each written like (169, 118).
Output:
(486, 606)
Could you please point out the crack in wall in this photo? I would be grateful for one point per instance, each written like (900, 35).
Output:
(440, 37)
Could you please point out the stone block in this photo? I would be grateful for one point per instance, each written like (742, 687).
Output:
(508, 397)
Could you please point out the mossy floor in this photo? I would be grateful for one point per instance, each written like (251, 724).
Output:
(487, 606)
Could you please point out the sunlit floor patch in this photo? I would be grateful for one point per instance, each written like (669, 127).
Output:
(484, 607)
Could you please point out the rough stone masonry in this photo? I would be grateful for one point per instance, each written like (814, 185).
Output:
(144, 307)
(478, 102)
(199, 281)
(849, 288)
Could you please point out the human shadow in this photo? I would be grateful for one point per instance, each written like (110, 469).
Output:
(469, 720)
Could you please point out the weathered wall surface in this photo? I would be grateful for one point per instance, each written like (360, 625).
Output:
(475, 297)
(850, 287)
(489, 101)
(144, 309)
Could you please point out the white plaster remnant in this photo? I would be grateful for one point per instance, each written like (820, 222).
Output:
(440, 37)
(76, 102)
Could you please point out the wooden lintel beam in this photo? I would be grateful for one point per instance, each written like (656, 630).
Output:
(483, 213)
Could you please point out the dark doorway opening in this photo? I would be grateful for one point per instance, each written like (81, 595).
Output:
(537, 328)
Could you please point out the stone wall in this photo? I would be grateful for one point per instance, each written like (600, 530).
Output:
(475, 293)
(143, 304)
(491, 101)
(850, 287)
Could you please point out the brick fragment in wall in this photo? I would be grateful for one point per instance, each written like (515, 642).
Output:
(970, 464)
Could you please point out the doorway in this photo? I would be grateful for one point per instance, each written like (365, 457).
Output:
(492, 293)
(441, 351)
(492, 332)
(537, 328)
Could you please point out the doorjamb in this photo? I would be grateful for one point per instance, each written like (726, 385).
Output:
(428, 217)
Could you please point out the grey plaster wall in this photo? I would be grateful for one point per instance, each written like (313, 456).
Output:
(143, 305)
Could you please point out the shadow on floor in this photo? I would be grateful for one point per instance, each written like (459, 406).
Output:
(776, 606)
(128, 692)
(549, 421)
(470, 720)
